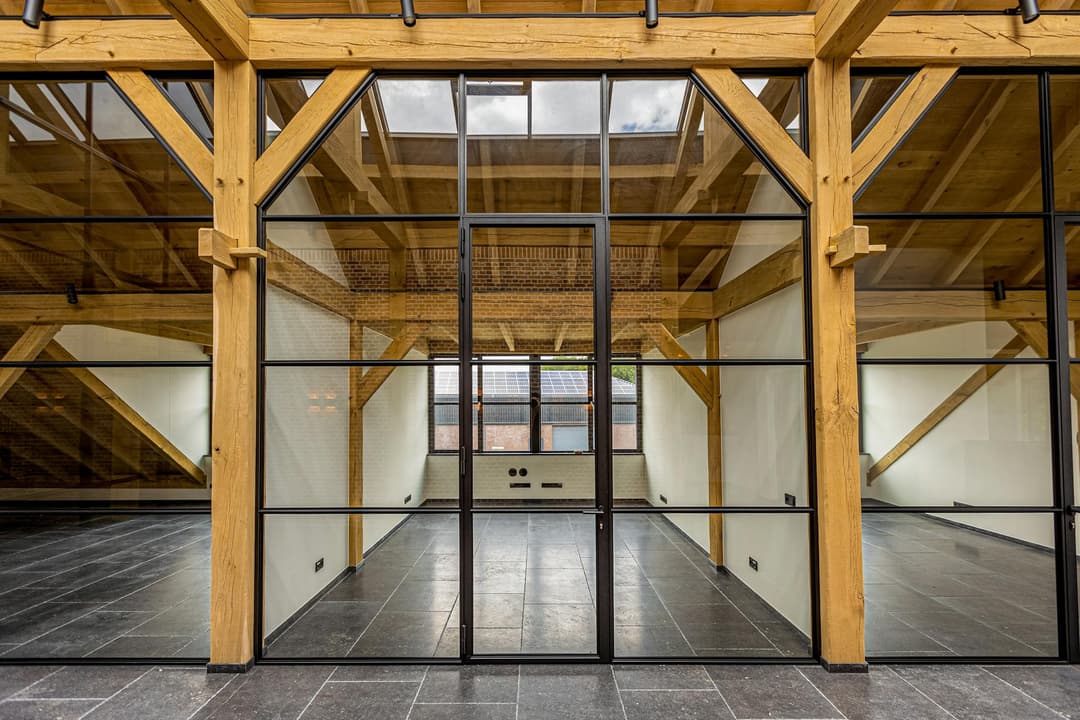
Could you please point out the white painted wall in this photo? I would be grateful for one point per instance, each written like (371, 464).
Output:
(992, 450)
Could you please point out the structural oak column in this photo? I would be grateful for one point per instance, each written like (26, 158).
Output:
(356, 444)
(836, 400)
(232, 550)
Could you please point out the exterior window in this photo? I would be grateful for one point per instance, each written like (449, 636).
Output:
(533, 407)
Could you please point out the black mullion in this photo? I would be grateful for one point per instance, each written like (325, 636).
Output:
(465, 390)
(535, 405)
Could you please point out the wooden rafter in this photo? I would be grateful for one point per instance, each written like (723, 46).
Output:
(128, 415)
(104, 308)
(308, 118)
(841, 26)
(398, 348)
(670, 348)
(955, 399)
(994, 100)
(1035, 334)
(896, 122)
(762, 127)
(772, 274)
(150, 101)
(27, 348)
(219, 26)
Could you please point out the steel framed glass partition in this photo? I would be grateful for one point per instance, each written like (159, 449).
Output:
(576, 222)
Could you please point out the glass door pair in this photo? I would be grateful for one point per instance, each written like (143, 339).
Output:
(535, 439)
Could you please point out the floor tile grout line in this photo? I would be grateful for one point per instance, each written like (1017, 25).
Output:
(919, 690)
(810, 682)
(41, 679)
(419, 687)
(618, 693)
(315, 694)
(227, 683)
(1030, 697)
(717, 688)
(517, 698)
(94, 709)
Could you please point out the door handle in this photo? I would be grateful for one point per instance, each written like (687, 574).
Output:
(593, 511)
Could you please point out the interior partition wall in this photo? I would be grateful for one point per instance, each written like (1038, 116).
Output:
(967, 389)
(104, 378)
(520, 225)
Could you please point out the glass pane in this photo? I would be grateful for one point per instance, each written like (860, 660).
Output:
(670, 280)
(402, 601)
(932, 293)
(349, 290)
(532, 289)
(956, 434)
(870, 94)
(625, 380)
(959, 585)
(118, 434)
(672, 600)
(105, 586)
(351, 437)
(975, 150)
(76, 148)
(672, 151)
(763, 450)
(534, 583)
(283, 98)
(1065, 119)
(534, 145)
(195, 101)
(566, 406)
(394, 153)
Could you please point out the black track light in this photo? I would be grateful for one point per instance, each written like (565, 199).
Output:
(652, 13)
(999, 290)
(33, 12)
(72, 296)
(408, 13)
(1028, 10)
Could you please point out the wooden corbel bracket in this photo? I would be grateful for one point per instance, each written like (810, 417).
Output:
(850, 245)
(221, 250)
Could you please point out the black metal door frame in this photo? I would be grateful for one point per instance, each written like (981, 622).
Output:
(601, 363)
(1065, 527)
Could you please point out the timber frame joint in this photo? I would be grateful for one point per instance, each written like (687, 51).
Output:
(220, 250)
(850, 245)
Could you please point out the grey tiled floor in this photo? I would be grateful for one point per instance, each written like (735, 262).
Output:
(541, 692)
(105, 586)
(934, 589)
(535, 592)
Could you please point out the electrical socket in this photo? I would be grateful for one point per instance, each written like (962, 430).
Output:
(663, 499)
(408, 498)
(789, 499)
(753, 564)
(318, 564)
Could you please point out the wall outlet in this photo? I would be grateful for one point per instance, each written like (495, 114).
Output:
(408, 498)
(551, 484)
(663, 499)
(318, 564)
(520, 484)
(789, 499)
(753, 564)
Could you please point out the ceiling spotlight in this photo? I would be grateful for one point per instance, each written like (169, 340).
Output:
(1028, 10)
(33, 12)
(72, 296)
(652, 13)
(408, 13)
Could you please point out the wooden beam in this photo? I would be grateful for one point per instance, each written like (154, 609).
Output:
(309, 120)
(774, 273)
(127, 414)
(291, 274)
(25, 349)
(535, 42)
(898, 119)
(100, 44)
(762, 127)
(150, 101)
(1034, 334)
(398, 348)
(235, 404)
(356, 445)
(841, 26)
(881, 306)
(219, 26)
(968, 388)
(715, 444)
(836, 394)
(669, 347)
(891, 330)
(991, 39)
(104, 308)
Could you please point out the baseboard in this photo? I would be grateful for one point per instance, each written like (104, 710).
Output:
(844, 667)
(231, 668)
(289, 621)
(953, 523)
